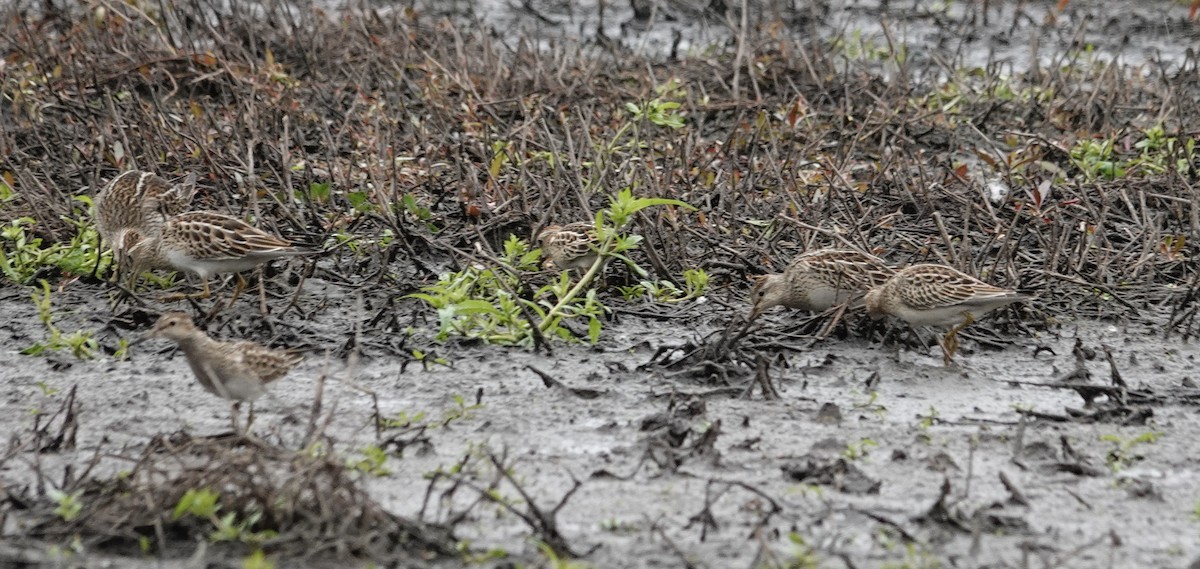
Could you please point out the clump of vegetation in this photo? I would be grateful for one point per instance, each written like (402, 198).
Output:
(1123, 452)
(80, 343)
(302, 503)
(494, 305)
(23, 255)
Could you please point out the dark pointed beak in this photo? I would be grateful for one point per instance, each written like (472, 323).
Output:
(148, 335)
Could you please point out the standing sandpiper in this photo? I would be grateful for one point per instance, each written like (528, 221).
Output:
(937, 295)
(238, 371)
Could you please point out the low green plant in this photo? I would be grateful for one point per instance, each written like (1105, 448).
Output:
(230, 528)
(1157, 153)
(404, 420)
(23, 255)
(1095, 158)
(429, 360)
(657, 111)
(469, 555)
(1122, 454)
(872, 404)
(858, 449)
(205, 503)
(257, 560)
(6, 189)
(494, 305)
(801, 556)
(928, 420)
(371, 463)
(695, 284)
(80, 342)
(460, 410)
(555, 561)
(862, 47)
(69, 506)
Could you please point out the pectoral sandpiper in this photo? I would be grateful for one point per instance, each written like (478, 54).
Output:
(133, 206)
(238, 371)
(937, 295)
(207, 243)
(818, 280)
(571, 246)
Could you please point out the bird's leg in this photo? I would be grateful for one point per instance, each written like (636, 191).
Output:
(194, 295)
(262, 291)
(236, 410)
(237, 288)
(950, 343)
(133, 277)
(250, 417)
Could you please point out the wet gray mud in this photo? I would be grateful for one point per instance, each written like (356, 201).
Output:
(1066, 442)
(868, 449)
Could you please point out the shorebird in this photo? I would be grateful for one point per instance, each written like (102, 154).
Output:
(937, 295)
(207, 243)
(818, 280)
(238, 371)
(571, 246)
(134, 205)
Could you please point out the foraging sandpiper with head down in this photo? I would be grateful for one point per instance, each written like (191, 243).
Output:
(238, 371)
(818, 280)
(133, 206)
(937, 295)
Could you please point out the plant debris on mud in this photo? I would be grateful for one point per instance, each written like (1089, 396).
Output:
(422, 148)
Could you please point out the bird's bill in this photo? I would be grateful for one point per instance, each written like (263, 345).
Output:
(142, 338)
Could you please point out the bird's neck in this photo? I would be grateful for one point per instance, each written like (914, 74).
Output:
(195, 342)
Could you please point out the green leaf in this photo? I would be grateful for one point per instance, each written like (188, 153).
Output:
(359, 201)
(473, 306)
(434, 301)
(319, 191)
(594, 330)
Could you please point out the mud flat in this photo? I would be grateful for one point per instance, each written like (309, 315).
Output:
(1042, 148)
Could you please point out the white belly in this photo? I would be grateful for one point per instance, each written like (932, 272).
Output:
(207, 267)
(823, 298)
(947, 316)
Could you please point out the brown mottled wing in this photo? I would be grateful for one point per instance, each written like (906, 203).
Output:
(170, 199)
(266, 363)
(114, 205)
(854, 269)
(573, 240)
(136, 199)
(928, 287)
(215, 237)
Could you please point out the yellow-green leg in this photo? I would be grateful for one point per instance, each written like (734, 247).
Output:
(238, 288)
(183, 296)
(950, 342)
(235, 411)
(250, 417)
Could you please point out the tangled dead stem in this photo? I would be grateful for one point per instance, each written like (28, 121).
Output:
(431, 140)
